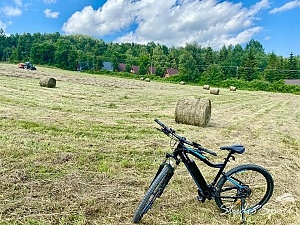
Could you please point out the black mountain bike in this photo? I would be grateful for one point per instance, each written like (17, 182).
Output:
(243, 189)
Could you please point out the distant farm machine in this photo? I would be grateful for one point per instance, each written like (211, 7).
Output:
(27, 65)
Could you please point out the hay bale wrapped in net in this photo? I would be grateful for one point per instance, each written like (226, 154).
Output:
(193, 111)
(206, 87)
(214, 91)
(232, 88)
(49, 82)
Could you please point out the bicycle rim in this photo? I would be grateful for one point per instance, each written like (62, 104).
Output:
(251, 182)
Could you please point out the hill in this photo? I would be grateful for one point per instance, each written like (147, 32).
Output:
(85, 151)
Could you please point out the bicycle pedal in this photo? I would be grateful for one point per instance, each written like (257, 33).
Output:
(200, 199)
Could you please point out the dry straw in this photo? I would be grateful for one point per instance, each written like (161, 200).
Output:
(214, 91)
(206, 87)
(48, 82)
(232, 88)
(193, 111)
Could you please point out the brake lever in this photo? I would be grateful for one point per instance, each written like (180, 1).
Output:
(159, 129)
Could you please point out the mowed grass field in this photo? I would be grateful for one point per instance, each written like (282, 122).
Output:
(85, 151)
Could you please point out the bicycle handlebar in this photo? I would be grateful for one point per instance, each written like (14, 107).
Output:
(169, 131)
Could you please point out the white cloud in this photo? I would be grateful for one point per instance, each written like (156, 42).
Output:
(49, 14)
(286, 7)
(170, 22)
(49, 1)
(18, 2)
(11, 11)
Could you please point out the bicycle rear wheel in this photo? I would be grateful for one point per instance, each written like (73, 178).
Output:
(251, 182)
(155, 191)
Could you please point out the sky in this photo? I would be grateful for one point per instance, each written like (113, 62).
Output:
(214, 23)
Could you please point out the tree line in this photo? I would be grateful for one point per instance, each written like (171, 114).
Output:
(194, 62)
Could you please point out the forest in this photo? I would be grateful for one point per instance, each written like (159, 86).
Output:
(249, 66)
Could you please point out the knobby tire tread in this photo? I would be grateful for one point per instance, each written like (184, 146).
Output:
(248, 167)
(157, 183)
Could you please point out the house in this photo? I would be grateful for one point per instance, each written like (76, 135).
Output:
(170, 71)
(135, 69)
(292, 81)
(107, 66)
(151, 70)
(122, 67)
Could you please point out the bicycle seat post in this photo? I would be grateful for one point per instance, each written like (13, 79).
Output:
(221, 170)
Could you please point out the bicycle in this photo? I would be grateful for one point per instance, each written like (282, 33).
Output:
(232, 190)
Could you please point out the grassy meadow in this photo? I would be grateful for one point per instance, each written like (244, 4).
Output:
(85, 151)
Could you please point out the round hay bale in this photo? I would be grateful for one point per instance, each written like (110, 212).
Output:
(142, 78)
(193, 111)
(182, 83)
(214, 91)
(206, 87)
(147, 79)
(232, 88)
(48, 82)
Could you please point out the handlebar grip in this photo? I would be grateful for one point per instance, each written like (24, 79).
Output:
(209, 151)
(168, 131)
(160, 123)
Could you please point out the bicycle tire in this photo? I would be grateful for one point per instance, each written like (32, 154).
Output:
(155, 191)
(259, 191)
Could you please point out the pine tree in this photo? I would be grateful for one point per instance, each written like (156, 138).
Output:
(249, 69)
(292, 63)
(272, 72)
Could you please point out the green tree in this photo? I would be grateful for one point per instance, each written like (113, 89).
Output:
(3, 45)
(209, 58)
(159, 59)
(249, 67)
(293, 68)
(272, 73)
(43, 53)
(213, 75)
(173, 58)
(196, 51)
(143, 69)
(188, 67)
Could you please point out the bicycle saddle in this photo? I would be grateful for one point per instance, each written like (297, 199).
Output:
(240, 149)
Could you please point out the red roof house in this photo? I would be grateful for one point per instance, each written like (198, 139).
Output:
(169, 72)
(135, 69)
(122, 67)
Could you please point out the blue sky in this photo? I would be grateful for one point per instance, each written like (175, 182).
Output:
(274, 23)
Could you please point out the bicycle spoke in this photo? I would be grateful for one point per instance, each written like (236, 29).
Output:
(250, 183)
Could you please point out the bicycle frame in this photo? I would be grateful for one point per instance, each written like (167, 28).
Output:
(229, 182)
(205, 190)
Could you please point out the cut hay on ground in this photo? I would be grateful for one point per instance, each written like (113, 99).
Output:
(49, 82)
(214, 91)
(206, 87)
(232, 88)
(193, 111)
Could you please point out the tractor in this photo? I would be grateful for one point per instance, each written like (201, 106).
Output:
(27, 65)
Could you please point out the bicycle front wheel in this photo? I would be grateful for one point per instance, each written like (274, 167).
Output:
(155, 191)
(251, 182)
